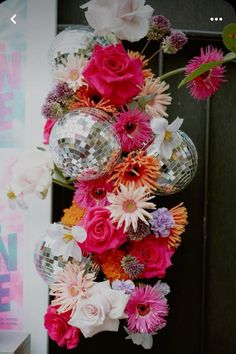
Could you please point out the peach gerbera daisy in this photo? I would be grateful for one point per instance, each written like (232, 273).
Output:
(140, 169)
(71, 285)
(156, 106)
(128, 206)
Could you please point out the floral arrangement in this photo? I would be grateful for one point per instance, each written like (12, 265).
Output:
(114, 243)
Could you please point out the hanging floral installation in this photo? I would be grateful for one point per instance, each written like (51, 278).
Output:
(109, 139)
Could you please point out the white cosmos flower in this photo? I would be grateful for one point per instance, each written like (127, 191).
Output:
(167, 137)
(65, 240)
(70, 71)
(144, 339)
(127, 19)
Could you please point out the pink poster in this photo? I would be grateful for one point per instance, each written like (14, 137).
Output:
(11, 267)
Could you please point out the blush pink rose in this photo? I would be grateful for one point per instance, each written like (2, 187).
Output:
(59, 330)
(154, 254)
(102, 235)
(114, 74)
(47, 129)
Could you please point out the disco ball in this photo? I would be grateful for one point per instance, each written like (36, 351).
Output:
(46, 262)
(178, 171)
(70, 42)
(83, 144)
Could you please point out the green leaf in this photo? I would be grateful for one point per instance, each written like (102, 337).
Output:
(199, 71)
(145, 99)
(205, 67)
(229, 37)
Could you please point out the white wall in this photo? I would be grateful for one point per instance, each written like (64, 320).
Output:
(40, 32)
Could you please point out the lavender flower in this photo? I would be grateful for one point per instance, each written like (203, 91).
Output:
(174, 42)
(162, 222)
(127, 285)
(159, 27)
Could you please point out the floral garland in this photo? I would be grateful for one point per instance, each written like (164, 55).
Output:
(114, 243)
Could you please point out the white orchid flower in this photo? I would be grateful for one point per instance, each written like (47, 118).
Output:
(65, 240)
(166, 138)
(144, 339)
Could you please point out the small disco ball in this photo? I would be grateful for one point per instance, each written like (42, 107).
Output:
(46, 262)
(83, 144)
(177, 172)
(70, 42)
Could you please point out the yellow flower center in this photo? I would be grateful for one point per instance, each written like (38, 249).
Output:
(74, 75)
(11, 195)
(74, 291)
(129, 206)
(168, 136)
(67, 238)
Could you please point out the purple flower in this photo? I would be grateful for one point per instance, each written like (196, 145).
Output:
(159, 27)
(162, 222)
(127, 285)
(174, 42)
(57, 101)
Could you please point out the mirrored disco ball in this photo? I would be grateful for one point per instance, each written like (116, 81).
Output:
(83, 144)
(69, 42)
(177, 172)
(48, 264)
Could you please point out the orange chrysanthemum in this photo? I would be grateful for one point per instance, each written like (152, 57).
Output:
(85, 97)
(137, 168)
(73, 215)
(111, 265)
(147, 72)
(180, 216)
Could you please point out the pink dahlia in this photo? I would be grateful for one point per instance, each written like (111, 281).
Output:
(146, 310)
(133, 129)
(208, 83)
(92, 193)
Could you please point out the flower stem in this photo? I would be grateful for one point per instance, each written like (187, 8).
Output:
(154, 54)
(171, 73)
(63, 184)
(145, 47)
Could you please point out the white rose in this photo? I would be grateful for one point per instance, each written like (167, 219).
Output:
(127, 19)
(101, 311)
(32, 174)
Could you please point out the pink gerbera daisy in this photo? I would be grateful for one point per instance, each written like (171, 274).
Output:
(92, 193)
(208, 83)
(146, 310)
(133, 129)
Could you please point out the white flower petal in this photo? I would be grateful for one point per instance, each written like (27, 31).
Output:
(166, 150)
(175, 125)
(159, 125)
(176, 140)
(79, 233)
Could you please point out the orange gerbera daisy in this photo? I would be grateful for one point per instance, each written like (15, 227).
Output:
(73, 215)
(147, 72)
(180, 216)
(111, 265)
(86, 97)
(137, 168)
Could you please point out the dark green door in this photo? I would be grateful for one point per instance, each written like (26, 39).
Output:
(202, 302)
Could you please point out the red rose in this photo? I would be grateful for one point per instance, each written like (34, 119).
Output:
(154, 254)
(102, 235)
(114, 74)
(59, 330)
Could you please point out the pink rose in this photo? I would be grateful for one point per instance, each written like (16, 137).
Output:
(59, 330)
(114, 74)
(154, 254)
(102, 235)
(47, 129)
